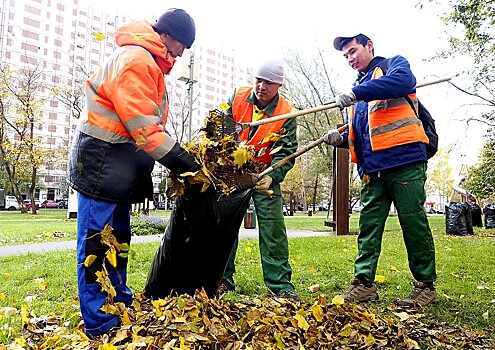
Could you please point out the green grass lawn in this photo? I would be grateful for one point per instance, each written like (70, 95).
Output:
(465, 266)
(51, 225)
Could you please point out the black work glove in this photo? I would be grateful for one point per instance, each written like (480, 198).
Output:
(179, 161)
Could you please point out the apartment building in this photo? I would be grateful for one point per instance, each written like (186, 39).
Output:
(68, 40)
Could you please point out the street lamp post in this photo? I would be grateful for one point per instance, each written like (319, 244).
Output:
(189, 77)
(190, 82)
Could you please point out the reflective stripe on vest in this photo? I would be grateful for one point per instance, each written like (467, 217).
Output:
(392, 122)
(103, 122)
(242, 112)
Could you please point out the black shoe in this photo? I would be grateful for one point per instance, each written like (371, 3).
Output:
(289, 294)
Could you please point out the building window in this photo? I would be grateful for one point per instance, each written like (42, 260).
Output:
(29, 47)
(52, 128)
(31, 22)
(28, 60)
(30, 35)
(31, 9)
(52, 116)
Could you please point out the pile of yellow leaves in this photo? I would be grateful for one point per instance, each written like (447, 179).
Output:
(198, 322)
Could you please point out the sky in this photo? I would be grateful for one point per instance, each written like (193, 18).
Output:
(264, 27)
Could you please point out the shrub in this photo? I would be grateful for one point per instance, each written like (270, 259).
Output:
(144, 225)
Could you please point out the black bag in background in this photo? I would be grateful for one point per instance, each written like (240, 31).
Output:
(476, 215)
(489, 212)
(458, 220)
(197, 242)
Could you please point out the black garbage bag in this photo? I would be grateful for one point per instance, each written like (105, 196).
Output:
(489, 212)
(197, 242)
(458, 220)
(476, 215)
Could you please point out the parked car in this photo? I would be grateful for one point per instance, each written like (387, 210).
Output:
(63, 204)
(49, 204)
(27, 203)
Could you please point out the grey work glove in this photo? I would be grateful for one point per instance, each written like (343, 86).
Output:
(264, 183)
(345, 99)
(333, 137)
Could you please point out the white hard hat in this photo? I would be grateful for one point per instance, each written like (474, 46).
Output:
(337, 42)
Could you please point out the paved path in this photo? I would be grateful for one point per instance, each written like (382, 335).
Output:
(50, 246)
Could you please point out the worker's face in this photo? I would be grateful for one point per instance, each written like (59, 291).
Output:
(357, 55)
(174, 48)
(265, 91)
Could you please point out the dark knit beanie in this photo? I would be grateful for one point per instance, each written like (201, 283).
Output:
(178, 24)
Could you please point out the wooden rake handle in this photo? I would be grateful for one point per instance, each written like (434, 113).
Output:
(324, 107)
(297, 153)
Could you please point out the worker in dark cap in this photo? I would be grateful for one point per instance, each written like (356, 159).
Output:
(388, 144)
(178, 25)
(120, 136)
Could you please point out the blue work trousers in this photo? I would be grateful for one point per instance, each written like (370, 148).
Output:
(92, 216)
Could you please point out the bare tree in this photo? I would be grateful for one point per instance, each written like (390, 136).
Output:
(308, 84)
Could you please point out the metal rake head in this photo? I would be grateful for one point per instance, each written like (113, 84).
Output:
(218, 125)
(238, 180)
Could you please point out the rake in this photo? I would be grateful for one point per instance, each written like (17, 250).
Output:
(242, 126)
(249, 180)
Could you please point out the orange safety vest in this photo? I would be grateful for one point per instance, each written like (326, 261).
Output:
(391, 122)
(242, 112)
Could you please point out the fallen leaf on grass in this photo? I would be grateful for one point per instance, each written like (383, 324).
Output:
(338, 300)
(8, 311)
(314, 288)
(40, 283)
(394, 268)
(379, 279)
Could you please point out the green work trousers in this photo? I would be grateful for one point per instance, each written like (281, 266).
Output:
(404, 186)
(274, 247)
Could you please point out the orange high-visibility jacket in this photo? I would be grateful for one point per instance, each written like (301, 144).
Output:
(126, 98)
(392, 122)
(242, 112)
(121, 133)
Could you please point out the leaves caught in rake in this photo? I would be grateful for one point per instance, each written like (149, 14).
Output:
(227, 163)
